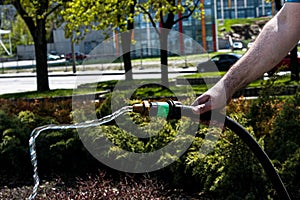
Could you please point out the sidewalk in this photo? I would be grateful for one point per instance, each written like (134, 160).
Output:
(26, 81)
(171, 70)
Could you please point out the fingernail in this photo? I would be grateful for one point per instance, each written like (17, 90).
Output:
(195, 109)
(201, 107)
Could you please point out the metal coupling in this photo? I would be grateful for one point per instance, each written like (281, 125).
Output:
(142, 108)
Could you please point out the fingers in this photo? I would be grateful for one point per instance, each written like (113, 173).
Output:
(202, 104)
(200, 100)
(202, 108)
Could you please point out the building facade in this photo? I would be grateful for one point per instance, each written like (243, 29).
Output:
(186, 35)
(202, 30)
(232, 9)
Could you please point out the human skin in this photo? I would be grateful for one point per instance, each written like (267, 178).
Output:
(276, 39)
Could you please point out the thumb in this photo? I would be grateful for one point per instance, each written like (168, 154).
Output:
(201, 99)
(200, 109)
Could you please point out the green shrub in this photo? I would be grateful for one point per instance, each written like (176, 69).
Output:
(285, 139)
(230, 171)
(156, 135)
(264, 109)
(104, 108)
(283, 145)
(13, 146)
(290, 173)
(59, 152)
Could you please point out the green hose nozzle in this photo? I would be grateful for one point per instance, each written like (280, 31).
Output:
(169, 109)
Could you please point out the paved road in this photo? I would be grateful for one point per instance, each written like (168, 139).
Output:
(21, 82)
(23, 64)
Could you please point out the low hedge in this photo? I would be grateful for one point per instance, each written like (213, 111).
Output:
(230, 171)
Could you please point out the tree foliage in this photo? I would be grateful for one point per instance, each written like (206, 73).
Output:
(82, 16)
(20, 33)
(106, 15)
(163, 14)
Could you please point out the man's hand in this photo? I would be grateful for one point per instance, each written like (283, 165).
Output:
(214, 98)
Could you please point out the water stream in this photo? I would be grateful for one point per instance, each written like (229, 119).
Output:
(37, 131)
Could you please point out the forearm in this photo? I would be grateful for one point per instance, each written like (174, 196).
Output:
(277, 38)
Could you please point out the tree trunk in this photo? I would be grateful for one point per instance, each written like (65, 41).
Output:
(294, 64)
(40, 45)
(73, 55)
(164, 56)
(126, 42)
(167, 26)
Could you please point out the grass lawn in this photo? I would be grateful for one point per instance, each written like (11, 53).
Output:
(206, 74)
(141, 92)
(35, 94)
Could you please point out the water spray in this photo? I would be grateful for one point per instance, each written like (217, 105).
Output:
(169, 110)
(37, 131)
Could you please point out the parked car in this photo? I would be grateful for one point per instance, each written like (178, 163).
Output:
(53, 52)
(237, 45)
(78, 56)
(52, 57)
(222, 62)
(284, 64)
(249, 45)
